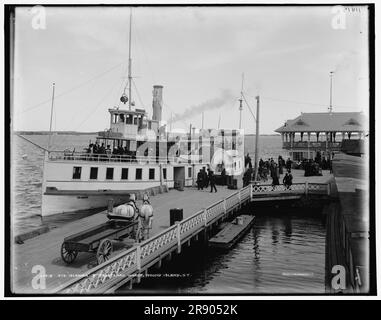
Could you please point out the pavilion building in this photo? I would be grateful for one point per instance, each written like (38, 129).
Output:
(327, 133)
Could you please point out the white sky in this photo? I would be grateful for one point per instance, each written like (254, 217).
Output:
(198, 54)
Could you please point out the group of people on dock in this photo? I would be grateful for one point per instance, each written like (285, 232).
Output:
(314, 167)
(271, 168)
(275, 169)
(206, 178)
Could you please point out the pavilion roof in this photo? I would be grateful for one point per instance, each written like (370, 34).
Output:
(326, 122)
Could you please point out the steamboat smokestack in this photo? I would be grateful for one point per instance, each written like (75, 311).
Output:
(157, 102)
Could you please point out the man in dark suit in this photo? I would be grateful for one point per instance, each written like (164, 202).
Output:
(212, 181)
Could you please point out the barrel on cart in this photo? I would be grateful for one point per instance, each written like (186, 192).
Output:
(98, 240)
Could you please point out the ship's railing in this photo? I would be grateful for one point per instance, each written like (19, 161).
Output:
(130, 263)
(82, 156)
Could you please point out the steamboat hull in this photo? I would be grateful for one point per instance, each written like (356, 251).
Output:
(70, 185)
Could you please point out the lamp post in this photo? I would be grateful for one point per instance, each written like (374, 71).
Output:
(330, 91)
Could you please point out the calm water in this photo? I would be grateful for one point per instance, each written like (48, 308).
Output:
(26, 176)
(282, 253)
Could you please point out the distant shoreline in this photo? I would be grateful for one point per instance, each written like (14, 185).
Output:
(77, 133)
(74, 133)
(263, 134)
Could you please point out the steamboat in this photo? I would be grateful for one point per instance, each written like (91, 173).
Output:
(137, 154)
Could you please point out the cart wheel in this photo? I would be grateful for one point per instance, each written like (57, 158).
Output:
(104, 251)
(68, 255)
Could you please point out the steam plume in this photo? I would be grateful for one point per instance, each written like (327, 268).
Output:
(216, 103)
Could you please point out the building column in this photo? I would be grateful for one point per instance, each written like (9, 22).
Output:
(292, 139)
(301, 136)
(317, 136)
(308, 144)
(349, 135)
(291, 144)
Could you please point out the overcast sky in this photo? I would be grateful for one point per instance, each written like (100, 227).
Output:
(198, 54)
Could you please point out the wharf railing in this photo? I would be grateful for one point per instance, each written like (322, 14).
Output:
(131, 262)
(312, 144)
(296, 188)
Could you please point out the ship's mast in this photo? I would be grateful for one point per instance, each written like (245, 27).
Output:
(330, 91)
(240, 104)
(129, 64)
(51, 118)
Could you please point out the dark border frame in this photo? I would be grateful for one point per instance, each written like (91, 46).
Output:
(8, 32)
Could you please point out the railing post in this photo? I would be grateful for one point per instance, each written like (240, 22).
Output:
(251, 192)
(306, 187)
(205, 219)
(138, 262)
(110, 205)
(138, 257)
(178, 237)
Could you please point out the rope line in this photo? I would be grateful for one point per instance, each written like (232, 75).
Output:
(251, 111)
(91, 113)
(67, 91)
(301, 102)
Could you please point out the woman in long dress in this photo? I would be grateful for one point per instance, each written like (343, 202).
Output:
(275, 175)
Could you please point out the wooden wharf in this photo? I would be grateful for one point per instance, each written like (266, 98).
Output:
(202, 210)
